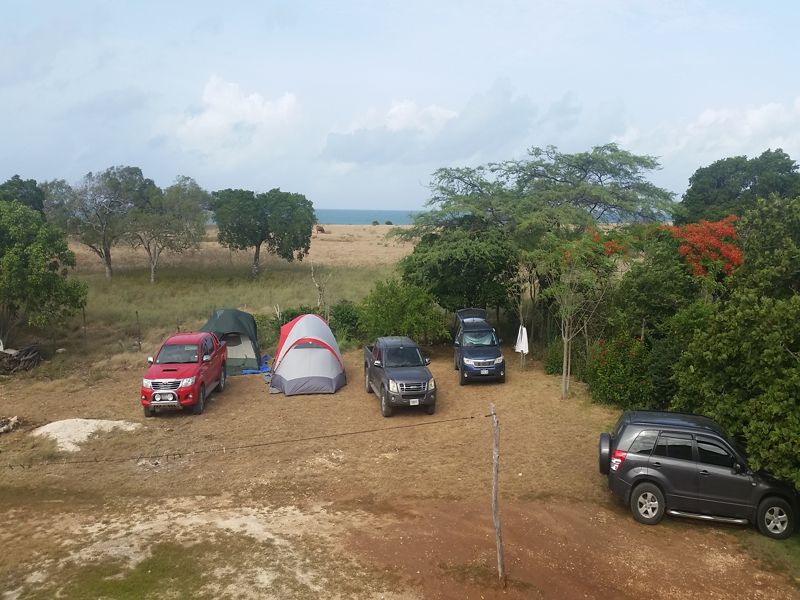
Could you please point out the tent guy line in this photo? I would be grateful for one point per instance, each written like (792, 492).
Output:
(225, 449)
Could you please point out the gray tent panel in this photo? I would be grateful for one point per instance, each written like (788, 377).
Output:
(309, 369)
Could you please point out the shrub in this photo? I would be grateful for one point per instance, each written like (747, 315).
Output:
(396, 308)
(375, 223)
(617, 373)
(553, 358)
(388, 223)
(345, 321)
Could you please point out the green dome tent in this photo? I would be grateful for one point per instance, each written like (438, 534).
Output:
(238, 330)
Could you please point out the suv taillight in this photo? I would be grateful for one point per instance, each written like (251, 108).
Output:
(617, 458)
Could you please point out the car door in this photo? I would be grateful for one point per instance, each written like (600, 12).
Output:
(206, 368)
(376, 373)
(673, 463)
(723, 490)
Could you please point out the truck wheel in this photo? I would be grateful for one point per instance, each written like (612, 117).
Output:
(149, 412)
(386, 408)
(775, 518)
(502, 378)
(647, 504)
(462, 380)
(222, 378)
(430, 409)
(366, 380)
(455, 363)
(201, 402)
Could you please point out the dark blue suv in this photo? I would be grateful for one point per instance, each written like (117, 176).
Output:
(685, 465)
(477, 348)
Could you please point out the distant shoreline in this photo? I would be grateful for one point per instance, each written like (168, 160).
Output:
(359, 216)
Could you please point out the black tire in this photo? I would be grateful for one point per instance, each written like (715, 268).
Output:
(604, 453)
(430, 408)
(222, 378)
(455, 363)
(461, 379)
(502, 378)
(386, 408)
(366, 380)
(201, 402)
(149, 412)
(647, 504)
(775, 518)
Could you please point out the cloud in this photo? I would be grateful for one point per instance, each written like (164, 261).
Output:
(408, 133)
(234, 126)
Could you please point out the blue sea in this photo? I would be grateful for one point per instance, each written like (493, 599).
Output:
(358, 216)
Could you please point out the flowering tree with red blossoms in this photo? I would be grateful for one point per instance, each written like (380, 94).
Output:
(708, 246)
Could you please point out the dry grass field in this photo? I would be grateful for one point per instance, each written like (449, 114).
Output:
(265, 496)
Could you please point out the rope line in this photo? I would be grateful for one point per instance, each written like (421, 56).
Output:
(225, 449)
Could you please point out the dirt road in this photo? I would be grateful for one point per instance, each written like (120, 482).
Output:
(261, 498)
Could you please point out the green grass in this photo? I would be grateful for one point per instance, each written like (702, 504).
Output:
(778, 555)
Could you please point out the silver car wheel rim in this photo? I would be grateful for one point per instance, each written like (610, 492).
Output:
(647, 504)
(776, 519)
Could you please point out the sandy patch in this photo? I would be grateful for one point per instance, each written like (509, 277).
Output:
(70, 433)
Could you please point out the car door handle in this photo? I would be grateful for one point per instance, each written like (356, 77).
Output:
(703, 473)
(657, 465)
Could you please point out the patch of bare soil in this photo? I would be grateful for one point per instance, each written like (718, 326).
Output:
(320, 496)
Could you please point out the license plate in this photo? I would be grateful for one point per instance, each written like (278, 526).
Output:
(484, 371)
(413, 402)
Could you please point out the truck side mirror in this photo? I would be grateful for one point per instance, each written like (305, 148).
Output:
(737, 467)
(377, 363)
(149, 360)
(427, 361)
(206, 357)
(499, 341)
(456, 343)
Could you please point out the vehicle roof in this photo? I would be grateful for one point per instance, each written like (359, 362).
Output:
(186, 337)
(472, 324)
(395, 341)
(674, 419)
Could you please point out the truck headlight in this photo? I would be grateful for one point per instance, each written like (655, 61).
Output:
(432, 384)
(498, 360)
(147, 383)
(189, 381)
(393, 386)
(469, 362)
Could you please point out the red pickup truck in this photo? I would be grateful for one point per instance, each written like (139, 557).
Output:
(187, 368)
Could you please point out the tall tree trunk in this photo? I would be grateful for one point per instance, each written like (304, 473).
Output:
(107, 260)
(564, 362)
(256, 257)
(641, 336)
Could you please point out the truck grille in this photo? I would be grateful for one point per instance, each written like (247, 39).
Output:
(484, 363)
(166, 384)
(412, 388)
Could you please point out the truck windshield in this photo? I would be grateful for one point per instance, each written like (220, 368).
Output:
(480, 338)
(177, 353)
(403, 357)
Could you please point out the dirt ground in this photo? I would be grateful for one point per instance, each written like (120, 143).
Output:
(270, 497)
(265, 496)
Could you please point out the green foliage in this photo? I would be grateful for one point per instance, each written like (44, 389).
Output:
(732, 185)
(616, 372)
(25, 191)
(345, 321)
(463, 269)
(173, 220)
(282, 221)
(375, 223)
(34, 257)
(397, 308)
(388, 223)
(554, 354)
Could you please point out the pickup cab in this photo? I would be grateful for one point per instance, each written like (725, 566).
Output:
(396, 371)
(477, 354)
(187, 368)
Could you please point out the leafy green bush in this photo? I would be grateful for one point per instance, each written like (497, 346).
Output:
(345, 321)
(617, 373)
(396, 308)
(553, 358)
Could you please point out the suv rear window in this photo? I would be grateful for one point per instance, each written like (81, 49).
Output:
(674, 445)
(644, 442)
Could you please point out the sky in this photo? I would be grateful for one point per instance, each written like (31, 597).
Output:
(356, 103)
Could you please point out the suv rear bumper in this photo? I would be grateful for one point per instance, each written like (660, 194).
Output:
(619, 487)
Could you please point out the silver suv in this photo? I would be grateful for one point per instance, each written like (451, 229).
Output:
(685, 465)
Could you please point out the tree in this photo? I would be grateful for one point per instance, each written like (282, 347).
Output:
(732, 185)
(97, 213)
(282, 221)
(34, 257)
(173, 220)
(21, 190)
(578, 276)
(461, 269)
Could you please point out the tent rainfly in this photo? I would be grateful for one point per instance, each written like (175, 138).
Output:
(238, 330)
(307, 360)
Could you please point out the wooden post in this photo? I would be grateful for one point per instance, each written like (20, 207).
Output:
(501, 567)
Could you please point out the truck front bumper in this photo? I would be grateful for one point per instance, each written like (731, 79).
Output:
(169, 399)
(420, 399)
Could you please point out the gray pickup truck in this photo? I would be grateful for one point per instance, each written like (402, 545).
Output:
(396, 371)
